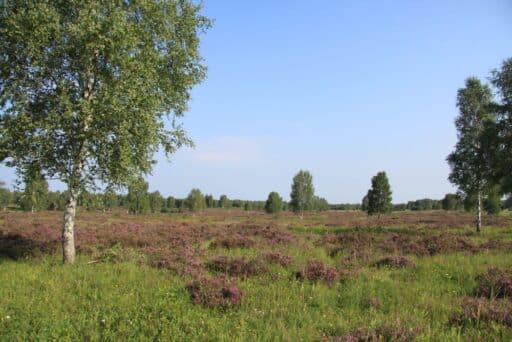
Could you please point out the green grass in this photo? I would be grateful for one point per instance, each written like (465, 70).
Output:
(43, 300)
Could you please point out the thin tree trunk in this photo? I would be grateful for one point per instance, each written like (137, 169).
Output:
(68, 230)
(479, 213)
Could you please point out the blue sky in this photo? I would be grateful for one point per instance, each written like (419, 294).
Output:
(343, 89)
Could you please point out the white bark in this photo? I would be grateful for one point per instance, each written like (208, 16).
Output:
(68, 230)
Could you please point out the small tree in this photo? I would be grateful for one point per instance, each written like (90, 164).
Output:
(379, 196)
(224, 202)
(156, 202)
(195, 201)
(469, 162)
(210, 202)
(302, 192)
(274, 203)
(247, 205)
(137, 198)
(171, 204)
(34, 196)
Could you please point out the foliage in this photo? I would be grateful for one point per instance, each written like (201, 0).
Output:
(501, 133)
(210, 202)
(274, 203)
(302, 192)
(5, 196)
(379, 196)
(156, 202)
(452, 202)
(365, 202)
(492, 202)
(34, 196)
(195, 201)
(224, 202)
(137, 198)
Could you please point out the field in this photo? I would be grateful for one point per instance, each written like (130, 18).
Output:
(230, 275)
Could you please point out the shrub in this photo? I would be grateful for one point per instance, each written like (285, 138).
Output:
(236, 267)
(316, 270)
(494, 284)
(214, 292)
(233, 241)
(394, 261)
(476, 310)
(395, 332)
(278, 258)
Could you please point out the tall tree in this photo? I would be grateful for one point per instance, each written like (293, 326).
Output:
(379, 196)
(470, 160)
(274, 203)
(89, 90)
(302, 192)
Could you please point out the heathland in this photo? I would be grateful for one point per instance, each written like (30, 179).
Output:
(228, 274)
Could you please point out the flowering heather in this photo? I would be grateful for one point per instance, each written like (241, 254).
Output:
(236, 267)
(233, 241)
(315, 270)
(495, 283)
(477, 310)
(278, 258)
(216, 292)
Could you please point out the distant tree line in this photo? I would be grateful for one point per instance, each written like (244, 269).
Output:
(35, 196)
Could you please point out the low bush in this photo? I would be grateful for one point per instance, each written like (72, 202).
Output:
(233, 241)
(480, 310)
(236, 267)
(216, 292)
(315, 270)
(495, 283)
(395, 332)
(278, 258)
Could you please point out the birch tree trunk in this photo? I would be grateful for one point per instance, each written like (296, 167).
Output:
(68, 229)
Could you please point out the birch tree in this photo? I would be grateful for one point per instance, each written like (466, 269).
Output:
(89, 90)
(469, 162)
